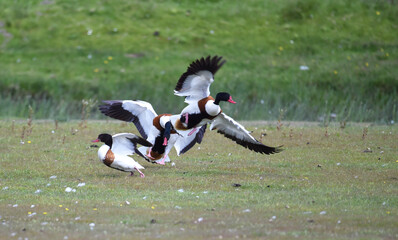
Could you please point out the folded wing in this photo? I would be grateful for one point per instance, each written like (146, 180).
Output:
(236, 132)
(126, 144)
(141, 113)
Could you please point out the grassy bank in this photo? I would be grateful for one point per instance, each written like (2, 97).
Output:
(56, 53)
(329, 183)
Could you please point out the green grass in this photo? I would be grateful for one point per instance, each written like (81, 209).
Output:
(321, 169)
(350, 48)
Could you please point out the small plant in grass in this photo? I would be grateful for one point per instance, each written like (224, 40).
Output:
(342, 124)
(13, 126)
(279, 124)
(87, 106)
(364, 133)
(326, 132)
(29, 129)
(23, 132)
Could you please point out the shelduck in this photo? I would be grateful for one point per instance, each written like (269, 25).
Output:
(114, 153)
(194, 85)
(156, 129)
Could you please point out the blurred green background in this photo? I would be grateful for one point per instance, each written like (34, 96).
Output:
(295, 59)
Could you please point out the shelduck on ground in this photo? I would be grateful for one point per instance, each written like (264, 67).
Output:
(114, 153)
(159, 130)
(194, 85)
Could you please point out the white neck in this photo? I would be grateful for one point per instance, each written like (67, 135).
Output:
(102, 152)
(212, 109)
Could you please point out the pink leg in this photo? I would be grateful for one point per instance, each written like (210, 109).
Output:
(141, 174)
(165, 142)
(149, 154)
(163, 159)
(192, 132)
(132, 173)
(186, 118)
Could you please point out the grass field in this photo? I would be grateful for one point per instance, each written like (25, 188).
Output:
(323, 186)
(55, 53)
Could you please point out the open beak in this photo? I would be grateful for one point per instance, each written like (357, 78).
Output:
(230, 100)
(96, 140)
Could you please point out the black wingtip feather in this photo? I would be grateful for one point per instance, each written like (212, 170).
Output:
(114, 109)
(258, 147)
(143, 142)
(198, 139)
(211, 64)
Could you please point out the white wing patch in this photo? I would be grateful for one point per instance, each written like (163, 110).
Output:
(226, 124)
(123, 146)
(144, 113)
(236, 132)
(196, 86)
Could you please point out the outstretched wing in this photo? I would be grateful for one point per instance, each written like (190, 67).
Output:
(194, 84)
(126, 144)
(141, 113)
(233, 130)
(185, 142)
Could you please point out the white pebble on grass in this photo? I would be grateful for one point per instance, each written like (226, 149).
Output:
(81, 184)
(92, 225)
(173, 164)
(178, 207)
(144, 198)
(127, 202)
(15, 205)
(77, 218)
(304, 68)
(205, 192)
(272, 219)
(44, 223)
(53, 177)
(180, 190)
(38, 191)
(200, 219)
(338, 164)
(246, 210)
(32, 206)
(338, 222)
(322, 213)
(69, 189)
(5, 188)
